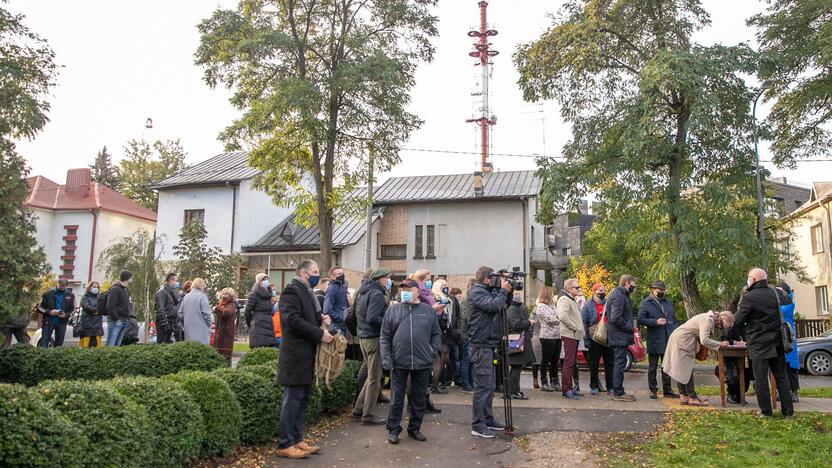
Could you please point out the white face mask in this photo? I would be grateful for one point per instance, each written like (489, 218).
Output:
(749, 281)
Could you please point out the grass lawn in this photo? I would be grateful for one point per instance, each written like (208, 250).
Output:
(724, 439)
(242, 347)
(817, 392)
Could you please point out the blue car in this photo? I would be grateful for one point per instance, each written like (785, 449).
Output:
(815, 354)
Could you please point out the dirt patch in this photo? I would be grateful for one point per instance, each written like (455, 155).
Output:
(547, 449)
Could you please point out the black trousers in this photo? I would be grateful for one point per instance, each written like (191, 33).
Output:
(551, 355)
(416, 398)
(514, 375)
(292, 415)
(794, 378)
(653, 366)
(596, 352)
(164, 333)
(777, 366)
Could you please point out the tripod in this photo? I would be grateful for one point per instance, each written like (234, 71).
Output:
(505, 370)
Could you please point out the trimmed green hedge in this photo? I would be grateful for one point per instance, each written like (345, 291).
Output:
(259, 400)
(115, 426)
(259, 356)
(268, 371)
(221, 413)
(34, 365)
(32, 433)
(176, 430)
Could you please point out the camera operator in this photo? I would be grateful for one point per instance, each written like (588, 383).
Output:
(485, 304)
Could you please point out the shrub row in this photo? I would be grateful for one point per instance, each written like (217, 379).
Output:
(144, 421)
(30, 366)
(258, 356)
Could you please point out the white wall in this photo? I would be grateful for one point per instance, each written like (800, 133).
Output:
(818, 266)
(256, 215)
(111, 228)
(50, 233)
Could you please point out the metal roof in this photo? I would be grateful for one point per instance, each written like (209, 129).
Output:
(436, 188)
(222, 168)
(288, 236)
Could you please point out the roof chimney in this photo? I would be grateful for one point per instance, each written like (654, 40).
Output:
(78, 182)
(478, 186)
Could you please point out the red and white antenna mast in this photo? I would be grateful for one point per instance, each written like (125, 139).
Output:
(483, 52)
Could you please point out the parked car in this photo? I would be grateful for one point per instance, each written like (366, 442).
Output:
(815, 354)
(635, 352)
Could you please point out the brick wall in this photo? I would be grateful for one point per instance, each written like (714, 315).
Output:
(393, 231)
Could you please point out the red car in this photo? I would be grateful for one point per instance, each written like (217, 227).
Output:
(635, 352)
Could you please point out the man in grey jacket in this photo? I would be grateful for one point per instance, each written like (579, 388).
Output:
(410, 339)
(369, 311)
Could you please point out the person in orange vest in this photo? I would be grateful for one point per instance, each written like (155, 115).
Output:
(276, 318)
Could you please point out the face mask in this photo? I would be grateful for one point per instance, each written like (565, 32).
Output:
(265, 284)
(444, 290)
(428, 284)
(659, 295)
(389, 283)
(407, 296)
(631, 288)
(94, 290)
(176, 285)
(340, 277)
(602, 296)
(313, 280)
(749, 282)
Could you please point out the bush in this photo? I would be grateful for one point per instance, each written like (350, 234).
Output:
(342, 391)
(259, 400)
(259, 356)
(115, 426)
(267, 371)
(36, 365)
(221, 413)
(175, 418)
(32, 433)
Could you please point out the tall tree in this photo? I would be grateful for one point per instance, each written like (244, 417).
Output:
(797, 61)
(319, 82)
(137, 254)
(198, 260)
(27, 72)
(103, 170)
(143, 165)
(661, 133)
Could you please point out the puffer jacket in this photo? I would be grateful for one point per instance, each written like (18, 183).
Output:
(91, 323)
(410, 337)
(370, 309)
(259, 318)
(484, 308)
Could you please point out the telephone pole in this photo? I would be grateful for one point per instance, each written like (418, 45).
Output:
(368, 235)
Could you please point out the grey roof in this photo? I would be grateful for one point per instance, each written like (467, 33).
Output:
(222, 168)
(437, 188)
(289, 237)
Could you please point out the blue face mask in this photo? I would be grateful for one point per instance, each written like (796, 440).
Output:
(94, 290)
(265, 284)
(176, 285)
(314, 280)
(407, 296)
(389, 283)
(428, 284)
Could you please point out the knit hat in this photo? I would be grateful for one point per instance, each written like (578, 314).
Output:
(596, 287)
(379, 273)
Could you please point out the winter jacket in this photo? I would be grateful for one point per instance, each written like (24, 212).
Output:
(259, 318)
(91, 320)
(118, 303)
(224, 331)
(410, 337)
(195, 314)
(484, 308)
(589, 315)
(518, 323)
(167, 305)
(369, 309)
(569, 315)
(300, 325)
(451, 334)
(758, 311)
(549, 322)
(619, 318)
(464, 309)
(649, 311)
(788, 315)
(336, 303)
(48, 303)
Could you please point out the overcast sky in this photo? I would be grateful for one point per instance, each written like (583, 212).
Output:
(123, 62)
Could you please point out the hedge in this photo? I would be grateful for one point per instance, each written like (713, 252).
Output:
(221, 413)
(342, 389)
(268, 371)
(32, 433)
(259, 400)
(34, 365)
(259, 356)
(176, 426)
(115, 427)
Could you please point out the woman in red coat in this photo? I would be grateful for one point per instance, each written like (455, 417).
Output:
(226, 312)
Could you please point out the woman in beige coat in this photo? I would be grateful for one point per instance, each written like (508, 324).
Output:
(571, 332)
(684, 342)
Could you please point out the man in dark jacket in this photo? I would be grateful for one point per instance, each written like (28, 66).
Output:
(656, 314)
(591, 313)
(485, 304)
(369, 312)
(300, 325)
(119, 306)
(759, 312)
(410, 339)
(56, 305)
(167, 304)
(336, 300)
(620, 333)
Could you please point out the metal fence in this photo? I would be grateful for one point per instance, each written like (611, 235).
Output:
(808, 328)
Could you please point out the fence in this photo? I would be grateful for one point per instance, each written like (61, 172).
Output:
(809, 328)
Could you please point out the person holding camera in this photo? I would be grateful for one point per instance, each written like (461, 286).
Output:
(485, 304)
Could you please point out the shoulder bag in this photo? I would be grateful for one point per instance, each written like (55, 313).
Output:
(600, 334)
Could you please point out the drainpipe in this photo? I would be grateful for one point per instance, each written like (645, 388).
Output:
(92, 243)
(524, 204)
(233, 214)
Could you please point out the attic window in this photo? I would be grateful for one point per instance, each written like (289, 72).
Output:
(286, 233)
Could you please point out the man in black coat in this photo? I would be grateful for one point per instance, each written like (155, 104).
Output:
(56, 305)
(759, 312)
(300, 326)
(119, 306)
(369, 311)
(656, 314)
(620, 333)
(167, 305)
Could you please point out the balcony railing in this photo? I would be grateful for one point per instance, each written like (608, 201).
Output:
(544, 259)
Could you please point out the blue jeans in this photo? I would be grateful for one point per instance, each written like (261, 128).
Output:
(416, 400)
(277, 342)
(292, 415)
(46, 333)
(115, 332)
(466, 368)
(620, 355)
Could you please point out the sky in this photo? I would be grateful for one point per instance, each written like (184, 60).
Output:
(122, 62)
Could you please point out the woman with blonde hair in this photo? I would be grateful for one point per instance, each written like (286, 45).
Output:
(550, 341)
(226, 311)
(440, 292)
(195, 313)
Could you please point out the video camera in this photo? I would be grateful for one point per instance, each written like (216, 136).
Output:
(514, 277)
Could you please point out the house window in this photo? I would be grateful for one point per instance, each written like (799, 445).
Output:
(419, 242)
(431, 250)
(822, 298)
(191, 215)
(798, 204)
(390, 252)
(817, 238)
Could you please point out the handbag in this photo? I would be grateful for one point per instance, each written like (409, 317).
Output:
(600, 335)
(516, 343)
(702, 354)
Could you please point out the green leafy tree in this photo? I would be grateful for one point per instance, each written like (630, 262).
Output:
(198, 260)
(661, 133)
(319, 83)
(27, 72)
(145, 164)
(137, 254)
(103, 170)
(797, 62)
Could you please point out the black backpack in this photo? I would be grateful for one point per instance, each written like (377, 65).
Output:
(350, 318)
(101, 303)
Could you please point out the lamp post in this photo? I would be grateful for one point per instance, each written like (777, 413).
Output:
(760, 214)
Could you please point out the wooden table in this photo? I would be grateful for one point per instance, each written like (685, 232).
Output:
(740, 352)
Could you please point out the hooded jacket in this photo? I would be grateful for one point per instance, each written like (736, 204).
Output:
(370, 308)
(410, 337)
(484, 308)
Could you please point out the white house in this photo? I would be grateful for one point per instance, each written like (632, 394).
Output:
(218, 191)
(76, 221)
